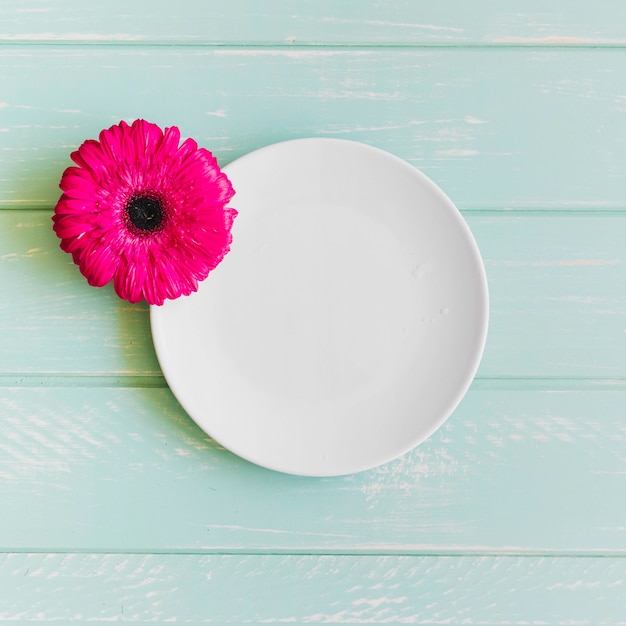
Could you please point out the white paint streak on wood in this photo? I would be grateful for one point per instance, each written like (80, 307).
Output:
(559, 40)
(275, 531)
(288, 53)
(403, 475)
(470, 119)
(589, 262)
(377, 602)
(358, 94)
(360, 129)
(457, 152)
(560, 263)
(77, 37)
(383, 23)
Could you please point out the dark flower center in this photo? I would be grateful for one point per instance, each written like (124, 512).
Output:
(145, 212)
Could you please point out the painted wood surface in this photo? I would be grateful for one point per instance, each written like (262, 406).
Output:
(555, 309)
(496, 129)
(193, 589)
(315, 22)
(114, 506)
(114, 469)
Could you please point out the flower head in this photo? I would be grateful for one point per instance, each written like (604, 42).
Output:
(145, 211)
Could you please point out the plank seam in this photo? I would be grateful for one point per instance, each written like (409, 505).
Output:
(289, 46)
(356, 553)
(157, 380)
(618, 211)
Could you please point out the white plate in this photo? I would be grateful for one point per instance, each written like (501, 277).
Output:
(346, 323)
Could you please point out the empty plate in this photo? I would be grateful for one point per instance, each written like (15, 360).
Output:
(346, 323)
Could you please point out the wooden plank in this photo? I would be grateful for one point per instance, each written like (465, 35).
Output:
(511, 472)
(100, 588)
(309, 22)
(510, 128)
(555, 308)
(51, 320)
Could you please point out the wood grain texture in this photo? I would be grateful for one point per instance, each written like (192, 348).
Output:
(116, 507)
(555, 309)
(111, 469)
(51, 320)
(101, 588)
(315, 22)
(495, 129)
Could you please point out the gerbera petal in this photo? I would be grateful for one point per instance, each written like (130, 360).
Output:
(187, 267)
(147, 138)
(135, 281)
(169, 144)
(99, 264)
(149, 289)
(189, 147)
(70, 226)
(111, 140)
(229, 217)
(78, 185)
(119, 280)
(216, 188)
(95, 158)
(67, 205)
(174, 282)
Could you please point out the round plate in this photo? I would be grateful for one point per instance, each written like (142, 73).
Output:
(346, 323)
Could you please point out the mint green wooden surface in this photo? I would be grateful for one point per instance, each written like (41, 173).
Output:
(554, 303)
(296, 22)
(496, 128)
(100, 588)
(123, 469)
(114, 506)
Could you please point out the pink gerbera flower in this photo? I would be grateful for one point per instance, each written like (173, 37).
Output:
(145, 212)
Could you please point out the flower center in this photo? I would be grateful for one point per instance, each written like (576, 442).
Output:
(145, 212)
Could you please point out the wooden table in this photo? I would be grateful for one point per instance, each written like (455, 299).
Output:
(116, 507)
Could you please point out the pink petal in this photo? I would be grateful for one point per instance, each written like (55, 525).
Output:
(98, 265)
(69, 227)
(169, 144)
(78, 186)
(112, 143)
(97, 160)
